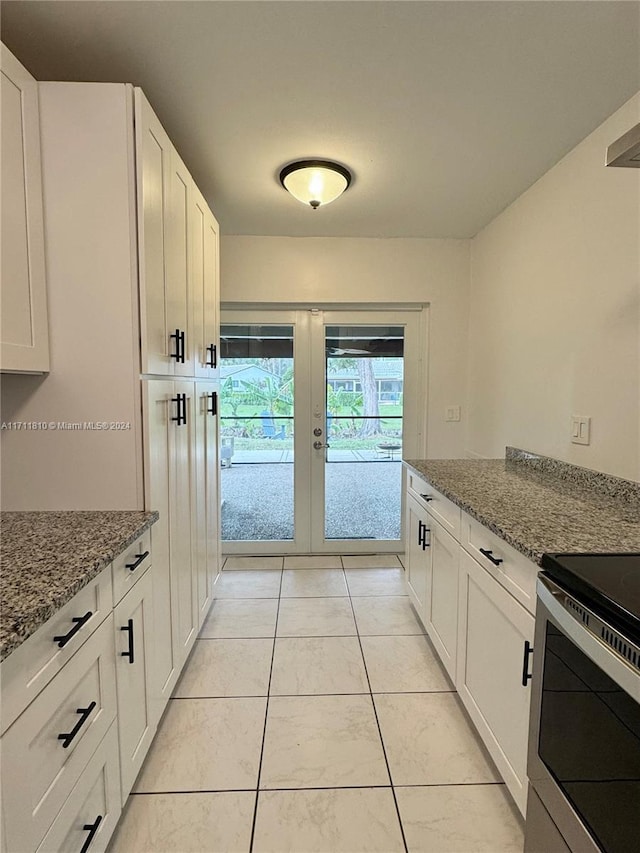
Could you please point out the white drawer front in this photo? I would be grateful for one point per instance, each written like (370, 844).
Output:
(94, 803)
(32, 665)
(79, 703)
(131, 565)
(441, 508)
(509, 567)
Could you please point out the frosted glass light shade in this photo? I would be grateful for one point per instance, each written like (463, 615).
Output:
(315, 182)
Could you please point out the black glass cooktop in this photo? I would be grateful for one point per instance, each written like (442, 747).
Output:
(607, 583)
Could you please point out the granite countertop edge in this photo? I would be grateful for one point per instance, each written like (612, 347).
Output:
(19, 622)
(500, 523)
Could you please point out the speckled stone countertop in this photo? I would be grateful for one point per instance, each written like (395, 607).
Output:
(47, 557)
(536, 509)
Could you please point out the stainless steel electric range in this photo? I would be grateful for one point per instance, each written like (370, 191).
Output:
(584, 739)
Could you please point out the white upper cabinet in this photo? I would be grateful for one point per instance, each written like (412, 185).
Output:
(23, 300)
(205, 287)
(178, 239)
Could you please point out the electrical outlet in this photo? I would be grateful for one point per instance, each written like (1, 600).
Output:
(580, 429)
(452, 413)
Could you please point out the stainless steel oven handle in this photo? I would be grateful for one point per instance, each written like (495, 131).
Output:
(616, 667)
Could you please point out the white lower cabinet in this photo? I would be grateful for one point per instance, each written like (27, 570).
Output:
(417, 554)
(495, 634)
(133, 631)
(442, 595)
(45, 751)
(87, 820)
(475, 596)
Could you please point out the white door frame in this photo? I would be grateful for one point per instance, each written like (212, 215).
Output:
(309, 322)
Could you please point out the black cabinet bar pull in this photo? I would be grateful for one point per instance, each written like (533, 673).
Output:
(182, 347)
(528, 651)
(177, 354)
(489, 555)
(427, 498)
(212, 408)
(212, 355)
(181, 409)
(62, 640)
(425, 530)
(139, 558)
(129, 629)
(91, 828)
(420, 531)
(68, 737)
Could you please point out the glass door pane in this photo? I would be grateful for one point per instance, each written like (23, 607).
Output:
(364, 380)
(256, 427)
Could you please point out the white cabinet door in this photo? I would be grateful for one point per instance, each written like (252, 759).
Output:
(205, 287)
(442, 594)
(153, 148)
(133, 635)
(492, 631)
(418, 555)
(24, 332)
(159, 428)
(178, 249)
(206, 551)
(183, 518)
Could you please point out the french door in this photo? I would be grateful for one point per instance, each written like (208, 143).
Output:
(318, 407)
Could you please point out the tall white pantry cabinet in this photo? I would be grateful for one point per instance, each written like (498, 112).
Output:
(132, 276)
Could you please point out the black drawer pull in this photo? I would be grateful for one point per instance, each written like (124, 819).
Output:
(420, 534)
(68, 737)
(427, 498)
(212, 355)
(528, 651)
(62, 640)
(91, 828)
(212, 408)
(129, 653)
(489, 555)
(139, 558)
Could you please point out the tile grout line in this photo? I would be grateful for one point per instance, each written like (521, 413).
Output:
(375, 713)
(266, 715)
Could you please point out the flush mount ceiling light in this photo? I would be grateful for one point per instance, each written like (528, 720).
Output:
(315, 182)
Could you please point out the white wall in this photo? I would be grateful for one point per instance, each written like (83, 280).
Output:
(554, 324)
(361, 270)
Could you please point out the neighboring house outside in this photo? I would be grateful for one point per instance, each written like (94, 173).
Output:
(387, 373)
(251, 373)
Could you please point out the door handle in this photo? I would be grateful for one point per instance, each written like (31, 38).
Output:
(212, 355)
(212, 405)
(528, 651)
(318, 445)
(130, 651)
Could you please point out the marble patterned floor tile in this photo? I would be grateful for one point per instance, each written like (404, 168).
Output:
(315, 617)
(376, 582)
(241, 618)
(263, 583)
(429, 741)
(186, 823)
(241, 563)
(218, 668)
(376, 615)
(205, 745)
(313, 583)
(322, 741)
(361, 820)
(314, 665)
(313, 561)
(371, 561)
(403, 665)
(451, 819)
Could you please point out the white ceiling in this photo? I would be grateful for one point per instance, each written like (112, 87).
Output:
(445, 111)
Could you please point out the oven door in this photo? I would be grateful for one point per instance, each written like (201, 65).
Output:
(584, 740)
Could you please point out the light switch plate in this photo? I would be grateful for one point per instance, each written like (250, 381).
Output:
(452, 413)
(580, 429)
